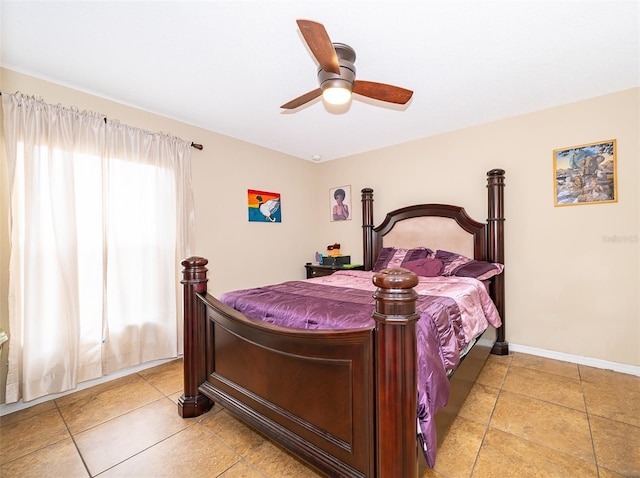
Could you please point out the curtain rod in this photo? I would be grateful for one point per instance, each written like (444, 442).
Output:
(197, 146)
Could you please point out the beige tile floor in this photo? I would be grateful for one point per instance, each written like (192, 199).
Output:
(525, 417)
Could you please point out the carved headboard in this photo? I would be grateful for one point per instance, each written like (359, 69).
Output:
(437, 226)
(446, 227)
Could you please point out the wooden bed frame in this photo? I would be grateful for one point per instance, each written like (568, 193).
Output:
(343, 401)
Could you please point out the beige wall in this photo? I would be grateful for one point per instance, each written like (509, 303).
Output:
(568, 290)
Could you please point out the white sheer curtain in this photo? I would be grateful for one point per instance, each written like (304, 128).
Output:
(101, 215)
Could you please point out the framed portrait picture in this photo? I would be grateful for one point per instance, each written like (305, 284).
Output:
(340, 200)
(585, 174)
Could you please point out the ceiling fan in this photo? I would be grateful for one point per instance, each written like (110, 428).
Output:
(337, 73)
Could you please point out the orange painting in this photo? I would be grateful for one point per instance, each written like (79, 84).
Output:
(264, 206)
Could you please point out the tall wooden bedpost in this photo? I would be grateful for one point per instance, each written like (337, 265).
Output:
(396, 373)
(367, 228)
(495, 221)
(192, 403)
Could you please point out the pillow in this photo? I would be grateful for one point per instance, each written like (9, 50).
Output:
(462, 266)
(396, 257)
(425, 267)
(451, 261)
(480, 270)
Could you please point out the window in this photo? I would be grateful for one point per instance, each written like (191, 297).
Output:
(100, 212)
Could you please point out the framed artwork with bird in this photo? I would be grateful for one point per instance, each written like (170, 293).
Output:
(264, 206)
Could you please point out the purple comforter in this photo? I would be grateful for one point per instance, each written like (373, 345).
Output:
(453, 311)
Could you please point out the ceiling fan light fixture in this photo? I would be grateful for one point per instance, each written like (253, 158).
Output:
(337, 73)
(336, 95)
(335, 89)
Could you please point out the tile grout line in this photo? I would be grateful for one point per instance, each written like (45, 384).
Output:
(73, 439)
(545, 400)
(224, 442)
(586, 409)
(48, 444)
(141, 451)
(486, 430)
(164, 396)
(509, 366)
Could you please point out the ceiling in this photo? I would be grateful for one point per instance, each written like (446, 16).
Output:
(227, 66)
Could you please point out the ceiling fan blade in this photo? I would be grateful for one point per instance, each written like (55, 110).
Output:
(320, 45)
(300, 100)
(382, 92)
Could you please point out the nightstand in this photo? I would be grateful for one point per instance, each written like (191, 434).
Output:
(318, 270)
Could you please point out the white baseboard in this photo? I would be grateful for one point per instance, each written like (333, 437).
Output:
(591, 362)
(7, 408)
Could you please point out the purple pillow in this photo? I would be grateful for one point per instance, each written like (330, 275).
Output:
(462, 266)
(396, 257)
(451, 261)
(480, 270)
(425, 267)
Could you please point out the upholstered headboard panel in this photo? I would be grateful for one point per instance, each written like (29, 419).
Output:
(433, 232)
(436, 226)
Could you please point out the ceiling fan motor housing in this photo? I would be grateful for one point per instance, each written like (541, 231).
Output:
(337, 73)
(346, 58)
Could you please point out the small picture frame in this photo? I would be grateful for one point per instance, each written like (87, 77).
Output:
(585, 174)
(340, 201)
(264, 206)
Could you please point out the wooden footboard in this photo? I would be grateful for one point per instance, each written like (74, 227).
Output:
(311, 391)
(344, 401)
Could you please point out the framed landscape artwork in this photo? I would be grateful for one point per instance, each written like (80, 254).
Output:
(585, 174)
